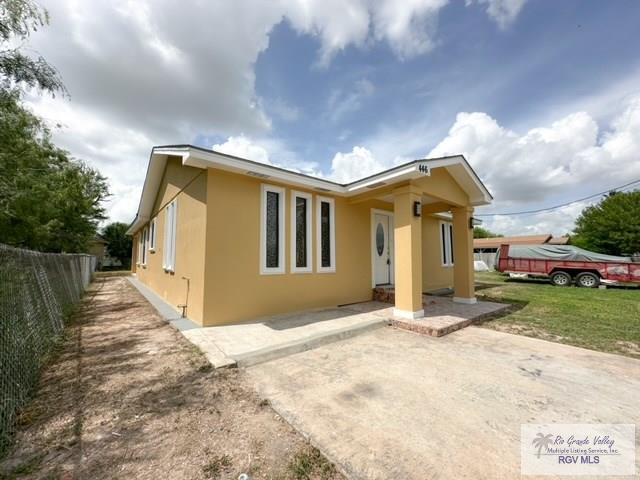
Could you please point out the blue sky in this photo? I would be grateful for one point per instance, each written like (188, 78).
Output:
(543, 98)
(524, 74)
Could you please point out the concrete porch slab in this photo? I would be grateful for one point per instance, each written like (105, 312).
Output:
(277, 336)
(271, 337)
(442, 315)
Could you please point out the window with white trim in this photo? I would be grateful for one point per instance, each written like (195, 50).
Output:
(170, 228)
(140, 249)
(446, 243)
(272, 230)
(301, 256)
(152, 235)
(145, 240)
(326, 234)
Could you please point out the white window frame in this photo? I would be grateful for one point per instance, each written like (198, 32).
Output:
(280, 269)
(446, 243)
(170, 234)
(332, 234)
(309, 198)
(153, 227)
(145, 242)
(140, 247)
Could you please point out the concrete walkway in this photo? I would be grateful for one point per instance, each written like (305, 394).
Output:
(277, 336)
(280, 335)
(393, 404)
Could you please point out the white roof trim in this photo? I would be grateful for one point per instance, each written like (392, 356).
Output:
(197, 157)
(382, 177)
(204, 159)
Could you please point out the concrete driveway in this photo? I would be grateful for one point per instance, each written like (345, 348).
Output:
(393, 404)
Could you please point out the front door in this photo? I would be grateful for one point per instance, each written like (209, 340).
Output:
(383, 249)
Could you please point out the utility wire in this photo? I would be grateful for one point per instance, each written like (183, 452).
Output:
(527, 212)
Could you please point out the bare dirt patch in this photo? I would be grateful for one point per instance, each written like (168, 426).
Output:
(129, 397)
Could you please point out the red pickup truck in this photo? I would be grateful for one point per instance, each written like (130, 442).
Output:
(564, 265)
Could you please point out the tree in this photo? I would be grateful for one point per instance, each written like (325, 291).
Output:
(612, 226)
(119, 242)
(48, 201)
(479, 232)
(18, 19)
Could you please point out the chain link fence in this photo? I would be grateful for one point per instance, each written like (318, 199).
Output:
(36, 292)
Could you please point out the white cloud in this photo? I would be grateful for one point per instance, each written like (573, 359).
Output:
(243, 147)
(544, 166)
(408, 26)
(546, 163)
(119, 152)
(268, 151)
(503, 12)
(558, 222)
(338, 23)
(359, 163)
(604, 104)
(142, 73)
(543, 161)
(345, 167)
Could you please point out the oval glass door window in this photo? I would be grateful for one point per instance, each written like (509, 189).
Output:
(380, 239)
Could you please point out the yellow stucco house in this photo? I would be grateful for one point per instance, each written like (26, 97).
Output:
(235, 240)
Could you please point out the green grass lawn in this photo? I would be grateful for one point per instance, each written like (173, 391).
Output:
(606, 320)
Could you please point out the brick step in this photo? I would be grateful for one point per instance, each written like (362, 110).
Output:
(442, 315)
(384, 295)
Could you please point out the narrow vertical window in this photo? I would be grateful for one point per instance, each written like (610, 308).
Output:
(152, 236)
(325, 232)
(140, 248)
(451, 242)
(272, 230)
(326, 235)
(446, 241)
(301, 232)
(170, 231)
(145, 240)
(443, 242)
(301, 260)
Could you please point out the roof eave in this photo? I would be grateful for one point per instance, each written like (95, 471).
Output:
(202, 158)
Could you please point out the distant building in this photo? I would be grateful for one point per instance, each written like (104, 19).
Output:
(559, 241)
(98, 248)
(485, 248)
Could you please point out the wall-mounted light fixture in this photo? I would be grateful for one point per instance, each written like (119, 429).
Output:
(474, 222)
(417, 209)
